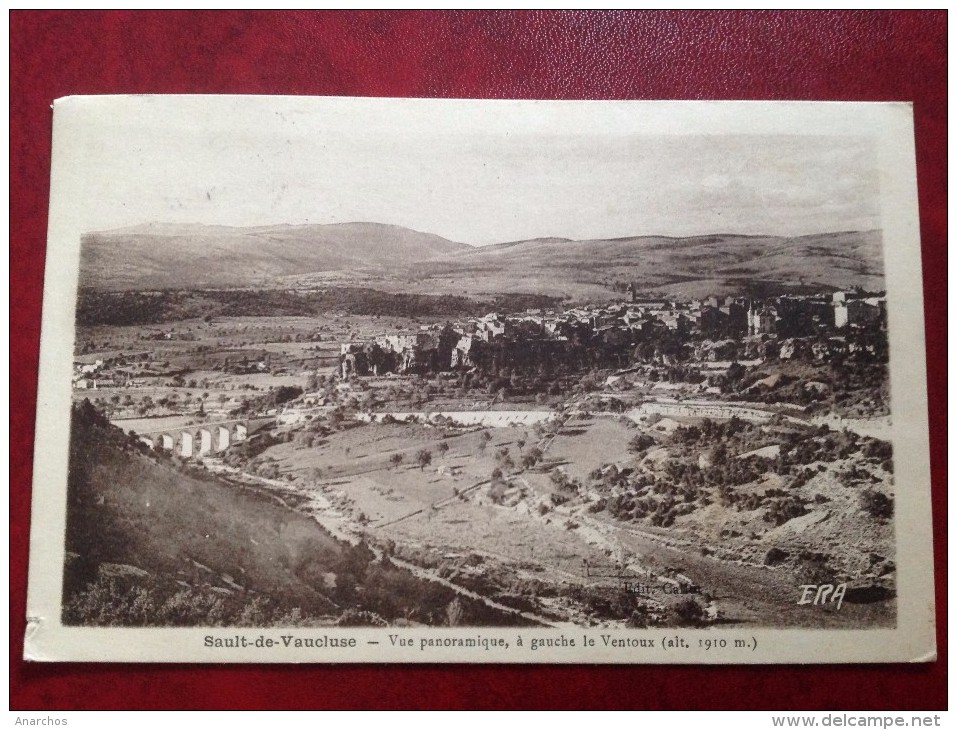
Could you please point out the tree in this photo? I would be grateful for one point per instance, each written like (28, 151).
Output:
(443, 447)
(688, 612)
(641, 443)
(504, 458)
(496, 491)
(423, 458)
(735, 372)
(369, 401)
(877, 504)
(559, 477)
(336, 417)
(396, 459)
(532, 457)
(719, 455)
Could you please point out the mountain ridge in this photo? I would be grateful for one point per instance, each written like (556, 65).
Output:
(195, 256)
(163, 255)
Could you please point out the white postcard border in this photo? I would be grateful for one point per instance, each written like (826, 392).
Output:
(890, 125)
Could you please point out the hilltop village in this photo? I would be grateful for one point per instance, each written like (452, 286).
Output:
(644, 330)
(359, 424)
(544, 458)
(711, 347)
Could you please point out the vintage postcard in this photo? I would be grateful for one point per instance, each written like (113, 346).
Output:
(392, 380)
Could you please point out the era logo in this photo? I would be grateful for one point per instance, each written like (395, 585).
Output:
(819, 595)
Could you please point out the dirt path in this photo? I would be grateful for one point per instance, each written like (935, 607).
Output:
(338, 527)
(426, 574)
(741, 591)
(435, 505)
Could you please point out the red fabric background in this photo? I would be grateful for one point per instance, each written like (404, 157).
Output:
(828, 55)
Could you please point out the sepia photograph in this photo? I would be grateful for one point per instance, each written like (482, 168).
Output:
(424, 380)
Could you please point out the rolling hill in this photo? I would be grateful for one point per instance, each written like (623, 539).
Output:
(157, 256)
(398, 259)
(151, 541)
(678, 267)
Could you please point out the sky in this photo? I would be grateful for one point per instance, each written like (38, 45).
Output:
(474, 186)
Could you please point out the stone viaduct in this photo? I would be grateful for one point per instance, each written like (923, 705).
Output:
(203, 439)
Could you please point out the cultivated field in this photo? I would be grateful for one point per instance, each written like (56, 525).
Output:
(609, 501)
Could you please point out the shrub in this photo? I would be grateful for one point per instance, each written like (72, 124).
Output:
(639, 618)
(781, 510)
(775, 556)
(877, 449)
(877, 504)
(353, 617)
(559, 477)
(598, 505)
(688, 612)
(268, 470)
(641, 442)
(497, 492)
